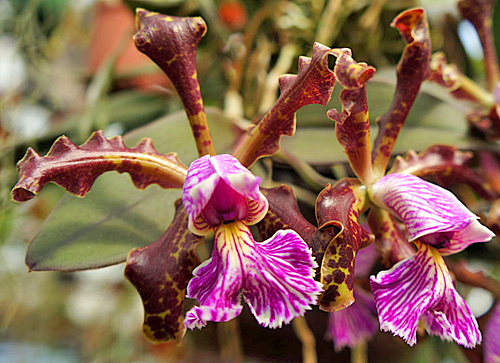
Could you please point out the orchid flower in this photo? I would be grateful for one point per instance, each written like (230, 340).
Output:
(420, 287)
(219, 194)
(275, 277)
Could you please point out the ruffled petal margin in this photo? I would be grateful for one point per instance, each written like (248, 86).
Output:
(275, 277)
(421, 287)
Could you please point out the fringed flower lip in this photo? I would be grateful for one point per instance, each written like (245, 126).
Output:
(420, 287)
(275, 277)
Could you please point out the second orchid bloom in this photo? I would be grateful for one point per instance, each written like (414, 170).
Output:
(274, 277)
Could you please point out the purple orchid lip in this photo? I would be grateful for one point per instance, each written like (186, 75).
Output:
(420, 287)
(432, 214)
(218, 189)
(275, 277)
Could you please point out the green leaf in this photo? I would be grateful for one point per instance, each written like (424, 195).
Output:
(115, 217)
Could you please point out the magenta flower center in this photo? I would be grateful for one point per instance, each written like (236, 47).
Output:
(225, 205)
(438, 240)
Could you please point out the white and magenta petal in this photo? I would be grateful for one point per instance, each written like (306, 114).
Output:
(492, 337)
(421, 287)
(355, 324)
(430, 213)
(475, 232)
(275, 278)
(200, 184)
(243, 182)
(425, 208)
(279, 279)
(236, 175)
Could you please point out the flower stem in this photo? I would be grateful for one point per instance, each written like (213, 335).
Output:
(306, 337)
(229, 337)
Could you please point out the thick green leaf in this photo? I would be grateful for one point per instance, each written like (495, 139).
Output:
(114, 217)
(318, 146)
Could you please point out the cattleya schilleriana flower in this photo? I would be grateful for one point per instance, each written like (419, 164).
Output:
(420, 287)
(275, 277)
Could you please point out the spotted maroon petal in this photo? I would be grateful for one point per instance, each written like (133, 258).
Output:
(284, 213)
(172, 42)
(421, 287)
(312, 85)
(352, 126)
(76, 168)
(275, 278)
(412, 70)
(429, 211)
(355, 324)
(160, 272)
(461, 87)
(202, 179)
(492, 337)
(446, 165)
(480, 14)
(341, 206)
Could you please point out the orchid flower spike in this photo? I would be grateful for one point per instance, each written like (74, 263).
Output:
(274, 277)
(420, 287)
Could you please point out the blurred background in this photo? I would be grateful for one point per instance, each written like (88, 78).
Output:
(70, 67)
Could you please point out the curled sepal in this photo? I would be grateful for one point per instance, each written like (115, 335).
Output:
(274, 277)
(312, 85)
(355, 324)
(160, 272)
(172, 42)
(421, 287)
(76, 168)
(460, 86)
(352, 126)
(447, 165)
(412, 70)
(492, 337)
(480, 14)
(341, 206)
(429, 212)
(390, 237)
(284, 213)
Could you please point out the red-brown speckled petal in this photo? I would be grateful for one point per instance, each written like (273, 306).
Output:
(460, 86)
(284, 213)
(313, 84)
(447, 165)
(172, 42)
(75, 168)
(412, 70)
(480, 13)
(341, 206)
(352, 126)
(391, 238)
(160, 272)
